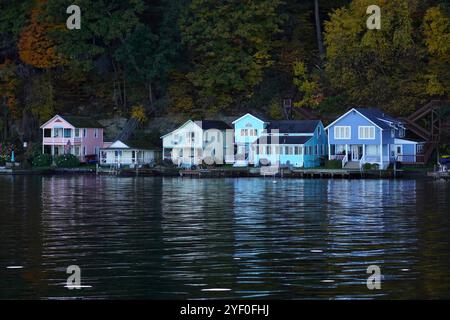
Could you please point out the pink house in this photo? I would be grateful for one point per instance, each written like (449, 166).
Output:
(80, 136)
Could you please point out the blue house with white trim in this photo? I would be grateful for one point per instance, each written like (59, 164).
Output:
(291, 143)
(369, 136)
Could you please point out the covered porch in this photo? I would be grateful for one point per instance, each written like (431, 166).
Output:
(360, 154)
(58, 149)
(184, 156)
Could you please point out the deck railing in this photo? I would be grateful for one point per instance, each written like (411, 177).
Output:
(362, 161)
(344, 160)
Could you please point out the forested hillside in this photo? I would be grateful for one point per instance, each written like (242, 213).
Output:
(151, 58)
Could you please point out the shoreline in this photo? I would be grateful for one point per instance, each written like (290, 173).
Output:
(230, 173)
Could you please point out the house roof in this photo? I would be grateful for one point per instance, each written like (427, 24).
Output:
(262, 119)
(82, 122)
(130, 144)
(283, 140)
(293, 126)
(377, 116)
(212, 124)
(374, 115)
(203, 124)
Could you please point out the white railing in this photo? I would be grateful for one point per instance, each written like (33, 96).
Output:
(362, 161)
(344, 160)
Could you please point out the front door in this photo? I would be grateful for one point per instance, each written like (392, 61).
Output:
(355, 150)
(398, 152)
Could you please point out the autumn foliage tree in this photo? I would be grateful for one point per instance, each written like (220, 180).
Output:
(35, 46)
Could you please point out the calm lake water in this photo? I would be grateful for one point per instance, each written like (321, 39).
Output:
(173, 238)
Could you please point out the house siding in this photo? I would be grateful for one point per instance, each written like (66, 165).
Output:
(354, 120)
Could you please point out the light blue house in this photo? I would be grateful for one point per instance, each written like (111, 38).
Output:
(369, 136)
(247, 129)
(292, 143)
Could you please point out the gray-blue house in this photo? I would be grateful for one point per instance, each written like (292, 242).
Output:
(369, 136)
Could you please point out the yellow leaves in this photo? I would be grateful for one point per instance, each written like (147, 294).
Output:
(434, 87)
(437, 32)
(138, 112)
(35, 47)
(308, 86)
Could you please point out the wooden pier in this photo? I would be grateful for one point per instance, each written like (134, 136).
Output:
(439, 175)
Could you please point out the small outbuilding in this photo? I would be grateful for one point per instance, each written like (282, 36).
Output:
(127, 153)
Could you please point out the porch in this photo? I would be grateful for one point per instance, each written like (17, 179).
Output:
(186, 156)
(356, 155)
(60, 149)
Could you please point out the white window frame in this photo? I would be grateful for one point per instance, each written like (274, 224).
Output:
(96, 133)
(361, 132)
(342, 129)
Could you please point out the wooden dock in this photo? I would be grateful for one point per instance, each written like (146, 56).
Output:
(324, 173)
(439, 175)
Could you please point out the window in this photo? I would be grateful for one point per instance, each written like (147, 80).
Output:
(277, 149)
(95, 133)
(96, 150)
(76, 150)
(84, 151)
(296, 150)
(317, 149)
(372, 149)
(55, 132)
(319, 131)
(366, 133)
(401, 133)
(77, 133)
(84, 133)
(261, 150)
(288, 150)
(342, 132)
(268, 149)
(47, 133)
(67, 133)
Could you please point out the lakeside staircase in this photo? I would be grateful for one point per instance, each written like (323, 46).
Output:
(427, 123)
(128, 129)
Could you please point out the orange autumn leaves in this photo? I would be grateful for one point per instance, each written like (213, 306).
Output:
(35, 46)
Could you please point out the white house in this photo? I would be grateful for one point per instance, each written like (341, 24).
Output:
(126, 154)
(196, 142)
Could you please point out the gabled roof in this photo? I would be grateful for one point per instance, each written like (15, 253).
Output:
(212, 124)
(374, 115)
(283, 140)
(130, 144)
(203, 124)
(249, 114)
(168, 133)
(82, 122)
(293, 126)
(377, 116)
(77, 121)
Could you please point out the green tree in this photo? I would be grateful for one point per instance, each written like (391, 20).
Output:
(436, 27)
(381, 68)
(229, 45)
(307, 85)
